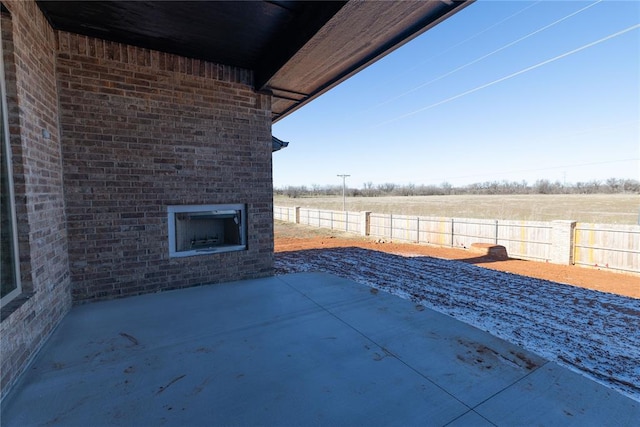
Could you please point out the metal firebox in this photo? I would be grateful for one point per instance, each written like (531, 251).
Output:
(205, 229)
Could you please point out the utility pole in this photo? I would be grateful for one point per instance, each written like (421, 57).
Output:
(344, 200)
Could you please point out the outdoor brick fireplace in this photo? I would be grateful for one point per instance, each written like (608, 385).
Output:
(204, 229)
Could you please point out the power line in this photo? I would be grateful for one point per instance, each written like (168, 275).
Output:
(517, 73)
(460, 43)
(591, 130)
(575, 165)
(479, 33)
(488, 54)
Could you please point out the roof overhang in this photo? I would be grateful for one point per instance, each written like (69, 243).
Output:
(297, 50)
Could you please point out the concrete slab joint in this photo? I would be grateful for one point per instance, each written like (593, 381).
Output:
(329, 351)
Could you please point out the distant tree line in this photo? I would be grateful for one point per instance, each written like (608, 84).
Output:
(541, 186)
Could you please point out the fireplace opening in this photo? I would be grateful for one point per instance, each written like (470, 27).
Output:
(205, 229)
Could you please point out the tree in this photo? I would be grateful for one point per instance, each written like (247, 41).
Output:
(387, 187)
(542, 186)
(446, 187)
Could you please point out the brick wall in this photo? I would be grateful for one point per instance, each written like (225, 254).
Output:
(37, 168)
(104, 137)
(143, 130)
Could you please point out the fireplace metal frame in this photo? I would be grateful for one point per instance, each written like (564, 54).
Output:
(223, 211)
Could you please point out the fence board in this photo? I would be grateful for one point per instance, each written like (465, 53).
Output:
(526, 239)
(380, 225)
(283, 213)
(434, 230)
(467, 231)
(607, 245)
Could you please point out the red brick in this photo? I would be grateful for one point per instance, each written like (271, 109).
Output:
(138, 130)
(33, 106)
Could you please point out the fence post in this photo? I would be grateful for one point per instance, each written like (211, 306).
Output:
(496, 231)
(297, 209)
(365, 223)
(418, 229)
(562, 233)
(452, 240)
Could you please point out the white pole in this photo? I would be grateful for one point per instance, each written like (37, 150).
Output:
(344, 200)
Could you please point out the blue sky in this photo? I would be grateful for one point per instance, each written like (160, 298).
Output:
(503, 90)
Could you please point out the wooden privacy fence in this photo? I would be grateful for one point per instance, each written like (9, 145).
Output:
(334, 220)
(607, 245)
(562, 242)
(522, 239)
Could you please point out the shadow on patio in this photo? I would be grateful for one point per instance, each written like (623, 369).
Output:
(296, 349)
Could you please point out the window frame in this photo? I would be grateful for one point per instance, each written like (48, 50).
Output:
(7, 157)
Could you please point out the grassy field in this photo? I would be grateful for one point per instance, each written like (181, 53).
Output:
(597, 208)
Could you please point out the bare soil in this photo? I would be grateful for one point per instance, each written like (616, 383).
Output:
(292, 237)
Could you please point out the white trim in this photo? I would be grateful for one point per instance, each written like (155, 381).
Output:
(7, 157)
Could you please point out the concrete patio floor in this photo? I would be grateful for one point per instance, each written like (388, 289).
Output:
(299, 349)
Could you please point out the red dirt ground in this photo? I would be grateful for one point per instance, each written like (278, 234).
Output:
(294, 238)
